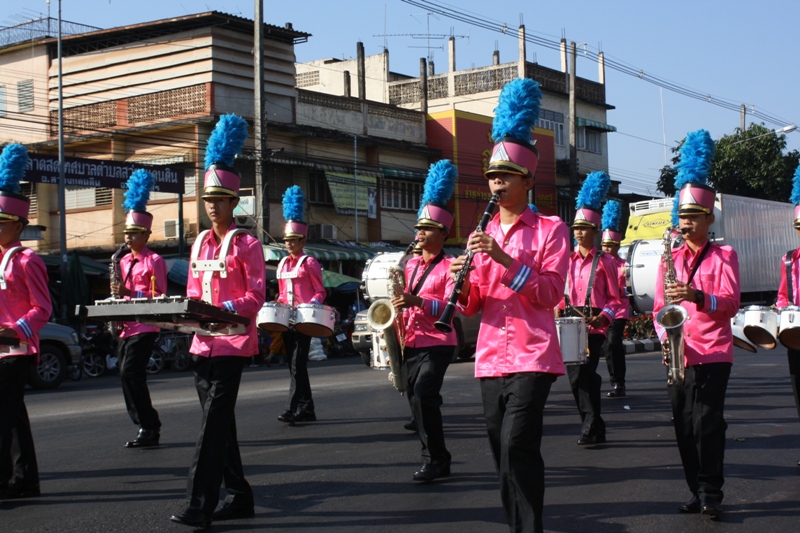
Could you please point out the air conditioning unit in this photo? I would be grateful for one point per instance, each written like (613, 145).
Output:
(322, 231)
(171, 228)
(244, 221)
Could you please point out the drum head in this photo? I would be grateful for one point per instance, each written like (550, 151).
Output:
(744, 344)
(313, 330)
(272, 327)
(790, 338)
(760, 337)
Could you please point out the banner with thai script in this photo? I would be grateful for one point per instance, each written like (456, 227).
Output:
(80, 172)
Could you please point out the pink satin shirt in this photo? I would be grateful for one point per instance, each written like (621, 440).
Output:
(518, 330)
(242, 291)
(307, 287)
(624, 309)
(605, 291)
(707, 333)
(138, 281)
(419, 321)
(25, 304)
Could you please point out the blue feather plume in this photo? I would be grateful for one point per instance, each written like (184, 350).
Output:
(594, 190)
(440, 184)
(517, 110)
(694, 166)
(795, 198)
(226, 140)
(533, 208)
(293, 204)
(13, 162)
(612, 213)
(138, 190)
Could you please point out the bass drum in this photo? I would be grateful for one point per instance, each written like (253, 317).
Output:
(641, 270)
(376, 273)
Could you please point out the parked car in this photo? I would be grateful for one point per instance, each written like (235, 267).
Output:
(59, 347)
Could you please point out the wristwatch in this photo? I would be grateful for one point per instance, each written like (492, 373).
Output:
(699, 298)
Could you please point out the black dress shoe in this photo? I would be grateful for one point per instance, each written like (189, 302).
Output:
(305, 416)
(591, 440)
(146, 437)
(287, 417)
(711, 509)
(431, 471)
(617, 392)
(191, 517)
(13, 492)
(692, 506)
(411, 426)
(231, 511)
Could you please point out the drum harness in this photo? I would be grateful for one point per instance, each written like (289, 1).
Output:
(209, 266)
(587, 305)
(23, 346)
(787, 261)
(289, 276)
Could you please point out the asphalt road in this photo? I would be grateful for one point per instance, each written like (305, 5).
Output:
(351, 471)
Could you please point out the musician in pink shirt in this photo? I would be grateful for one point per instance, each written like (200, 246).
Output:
(143, 275)
(614, 348)
(299, 282)
(237, 284)
(428, 351)
(520, 265)
(707, 288)
(789, 292)
(24, 309)
(593, 293)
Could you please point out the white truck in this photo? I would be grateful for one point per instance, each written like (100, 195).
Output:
(760, 231)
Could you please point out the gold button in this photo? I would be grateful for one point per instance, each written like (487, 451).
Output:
(503, 328)
(505, 242)
(504, 306)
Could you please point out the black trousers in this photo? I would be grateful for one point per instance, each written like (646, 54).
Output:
(134, 354)
(18, 464)
(297, 347)
(697, 408)
(585, 383)
(216, 455)
(514, 410)
(425, 369)
(794, 372)
(615, 352)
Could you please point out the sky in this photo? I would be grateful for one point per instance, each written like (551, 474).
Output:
(732, 51)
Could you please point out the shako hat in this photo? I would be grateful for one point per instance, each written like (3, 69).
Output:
(13, 205)
(515, 116)
(226, 141)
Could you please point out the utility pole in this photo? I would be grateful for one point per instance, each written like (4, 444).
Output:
(62, 185)
(259, 126)
(743, 110)
(573, 125)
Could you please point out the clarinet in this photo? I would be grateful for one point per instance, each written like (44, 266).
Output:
(445, 320)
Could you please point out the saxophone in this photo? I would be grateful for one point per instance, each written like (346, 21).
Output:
(114, 273)
(388, 324)
(671, 318)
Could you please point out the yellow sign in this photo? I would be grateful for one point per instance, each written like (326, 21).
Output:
(350, 193)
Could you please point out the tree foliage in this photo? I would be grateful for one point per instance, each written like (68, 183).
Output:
(757, 167)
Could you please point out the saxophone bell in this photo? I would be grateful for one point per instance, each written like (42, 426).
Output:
(672, 317)
(381, 317)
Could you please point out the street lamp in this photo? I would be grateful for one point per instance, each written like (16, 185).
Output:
(786, 129)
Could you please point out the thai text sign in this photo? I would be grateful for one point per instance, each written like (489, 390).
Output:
(93, 173)
(350, 193)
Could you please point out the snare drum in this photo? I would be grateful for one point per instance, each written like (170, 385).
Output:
(315, 320)
(761, 326)
(789, 328)
(274, 316)
(739, 340)
(573, 339)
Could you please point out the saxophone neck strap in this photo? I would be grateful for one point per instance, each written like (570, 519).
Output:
(436, 260)
(587, 305)
(11, 252)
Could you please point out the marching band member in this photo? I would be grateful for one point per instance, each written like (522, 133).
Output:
(708, 289)
(238, 285)
(593, 288)
(614, 349)
(299, 282)
(520, 264)
(789, 292)
(24, 309)
(144, 275)
(428, 351)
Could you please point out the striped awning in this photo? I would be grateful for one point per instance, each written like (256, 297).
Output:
(323, 252)
(602, 126)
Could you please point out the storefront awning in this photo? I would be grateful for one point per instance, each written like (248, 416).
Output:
(586, 123)
(323, 252)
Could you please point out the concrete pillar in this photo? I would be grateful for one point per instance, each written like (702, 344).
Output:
(521, 68)
(563, 53)
(431, 69)
(347, 90)
(451, 50)
(423, 86)
(601, 68)
(496, 57)
(362, 78)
